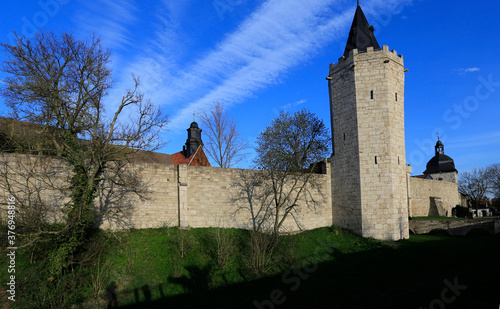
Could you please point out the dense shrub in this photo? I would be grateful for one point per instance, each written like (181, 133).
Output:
(462, 212)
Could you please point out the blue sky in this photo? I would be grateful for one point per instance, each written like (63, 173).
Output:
(259, 57)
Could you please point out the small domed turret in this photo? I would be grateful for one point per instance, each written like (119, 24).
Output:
(194, 139)
(441, 164)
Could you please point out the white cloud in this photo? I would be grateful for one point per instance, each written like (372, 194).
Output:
(277, 36)
(109, 19)
(472, 69)
(292, 105)
(463, 71)
(280, 34)
(288, 107)
(475, 141)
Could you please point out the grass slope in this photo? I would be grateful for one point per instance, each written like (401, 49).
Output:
(322, 268)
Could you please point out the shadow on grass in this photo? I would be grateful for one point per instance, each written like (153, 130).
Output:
(423, 272)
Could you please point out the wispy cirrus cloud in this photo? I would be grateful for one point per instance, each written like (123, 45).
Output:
(476, 141)
(274, 38)
(289, 106)
(468, 150)
(463, 71)
(110, 19)
(280, 34)
(292, 105)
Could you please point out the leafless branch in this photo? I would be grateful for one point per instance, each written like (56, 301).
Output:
(225, 145)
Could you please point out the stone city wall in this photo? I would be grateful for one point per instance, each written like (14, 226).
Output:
(182, 195)
(455, 227)
(176, 195)
(424, 191)
(39, 185)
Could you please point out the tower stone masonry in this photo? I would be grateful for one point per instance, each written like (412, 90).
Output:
(369, 171)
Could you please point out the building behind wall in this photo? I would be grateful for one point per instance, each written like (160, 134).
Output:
(192, 152)
(441, 167)
(435, 193)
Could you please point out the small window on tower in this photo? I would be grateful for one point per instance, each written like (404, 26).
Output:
(376, 160)
(371, 95)
(396, 96)
(398, 160)
(344, 136)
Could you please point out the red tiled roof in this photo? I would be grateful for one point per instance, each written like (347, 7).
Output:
(197, 159)
(421, 176)
(179, 158)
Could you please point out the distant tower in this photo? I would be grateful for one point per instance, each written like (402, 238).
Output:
(441, 167)
(194, 139)
(366, 87)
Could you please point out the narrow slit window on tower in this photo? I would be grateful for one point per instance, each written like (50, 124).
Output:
(371, 95)
(376, 160)
(398, 160)
(344, 136)
(396, 96)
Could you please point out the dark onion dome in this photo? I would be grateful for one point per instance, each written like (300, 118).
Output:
(440, 163)
(194, 125)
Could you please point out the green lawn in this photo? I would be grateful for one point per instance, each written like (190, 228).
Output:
(327, 268)
(322, 268)
(438, 218)
(452, 218)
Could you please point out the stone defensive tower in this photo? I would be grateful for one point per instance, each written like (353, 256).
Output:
(369, 177)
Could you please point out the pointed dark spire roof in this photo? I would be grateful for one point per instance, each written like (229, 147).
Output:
(361, 35)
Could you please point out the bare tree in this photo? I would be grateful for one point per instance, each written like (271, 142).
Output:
(253, 196)
(60, 83)
(475, 185)
(290, 151)
(225, 145)
(494, 178)
(115, 204)
(39, 186)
